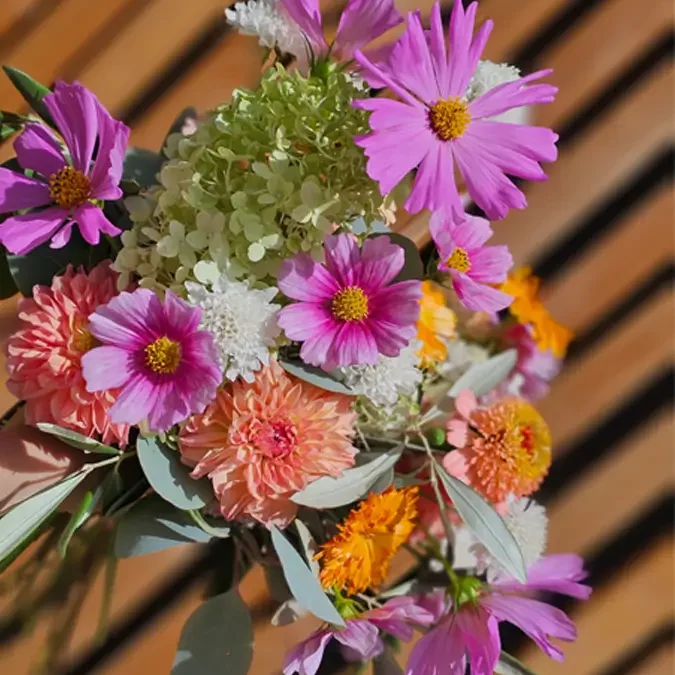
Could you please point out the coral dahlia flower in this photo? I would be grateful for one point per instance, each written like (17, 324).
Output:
(44, 358)
(348, 311)
(262, 442)
(69, 184)
(435, 129)
(153, 351)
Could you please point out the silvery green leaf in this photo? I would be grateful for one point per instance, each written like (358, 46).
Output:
(287, 613)
(154, 525)
(303, 584)
(309, 546)
(509, 665)
(401, 589)
(169, 477)
(217, 638)
(316, 376)
(486, 524)
(385, 664)
(76, 440)
(328, 493)
(20, 522)
(383, 482)
(483, 377)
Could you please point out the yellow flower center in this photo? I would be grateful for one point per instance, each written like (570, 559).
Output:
(350, 304)
(163, 356)
(69, 187)
(459, 260)
(81, 340)
(449, 118)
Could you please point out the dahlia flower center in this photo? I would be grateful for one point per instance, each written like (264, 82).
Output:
(163, 356)
(449, 118)
(82, 340)
(350, 304)
(459, 260)
(277, 438)
(69, 187)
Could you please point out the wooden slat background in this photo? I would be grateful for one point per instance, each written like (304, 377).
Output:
(599, 232)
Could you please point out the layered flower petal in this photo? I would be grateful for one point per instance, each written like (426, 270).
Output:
(21, 234)
(361, 22)
(36, 148)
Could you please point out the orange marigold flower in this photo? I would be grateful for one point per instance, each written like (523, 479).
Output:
(359, 556)
(503, 449)
(436, 319)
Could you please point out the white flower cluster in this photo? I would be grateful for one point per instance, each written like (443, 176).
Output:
(461, 356)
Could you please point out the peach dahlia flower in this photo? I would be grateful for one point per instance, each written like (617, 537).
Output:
(259, 443)
(44, 356)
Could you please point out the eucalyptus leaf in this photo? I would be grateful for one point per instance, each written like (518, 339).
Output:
(33, 92)
(217, 638)
(76, 440)
(328, 492)
(385, 664)
(301, 581)
(19, 523)
(316, 376)
(509, 665)
(154, 525)
(142, 166)
(486, 524)
(308, 545)
(169, 477)
(413, 267)
(483, 377)
(287, 613)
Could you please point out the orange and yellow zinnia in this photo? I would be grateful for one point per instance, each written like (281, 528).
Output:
(359, 555)
(436, 320)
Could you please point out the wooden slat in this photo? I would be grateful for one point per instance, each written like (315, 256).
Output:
(590, 387)
(615, 264)
(12, 11)
(660, 663)
(621, 485)
(619, 616)
(623, 140)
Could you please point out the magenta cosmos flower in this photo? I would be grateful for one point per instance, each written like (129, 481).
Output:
(361, 22)
(68, 184)
(435, 129)
(154, 353)
(348, 311)
(473, 267)
(473, 629)
(360, 639)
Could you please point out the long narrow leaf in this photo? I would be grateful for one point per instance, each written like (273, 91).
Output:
(33, 92)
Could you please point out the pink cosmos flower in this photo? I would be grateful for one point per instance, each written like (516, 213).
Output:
(44, 356)
(165, 367)
(360, 640)
(349, 312)
(472, 629)
(68, 186)
(435, 129)
(361, 22)
(261, 442)
(473, 267)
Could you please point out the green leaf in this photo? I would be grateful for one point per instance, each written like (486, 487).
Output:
(303, 584)
(20, 522)
(142, 166)
(33, 92)
(179, 123)
(154, 525)
(329, 493)
(486, 524)
(217, 638)
(76, 440)
(509, 665)
(413, 267)
(385, 664)
(10, 123)
(170, 478)
(316, 376)
(483, 377)
(79, 518)
(7, 284)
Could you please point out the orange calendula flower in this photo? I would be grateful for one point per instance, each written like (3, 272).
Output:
(527, 308)
(504, 449)
(359, 556)
(436, 321)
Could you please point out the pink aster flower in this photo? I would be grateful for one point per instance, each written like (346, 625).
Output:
(434, 129)
(360, 639)
(361, 22)
(474, 268)
(44, 356)
(165, 367)
(261, 442)
(348, 311)
(472, 629)
(68, 186)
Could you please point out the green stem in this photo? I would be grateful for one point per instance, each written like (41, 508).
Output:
(213, 531)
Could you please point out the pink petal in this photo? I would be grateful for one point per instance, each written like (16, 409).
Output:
(455, 462)
(37, 149)
(397, 303)
(62, 236)
(471, 232)
(391, 337)
(21, 234)
(362, 639)
(353, 345)
(169, 405)
(181, 318)
(460, 37)
(107, 171)
(481, 636)
(134, 402)
(342, 258)
(91, 222)
(479, 297)
(304, 320)
(306, 657)
(441, 650)
(466, 403)
(361, 22)
(381, 261)
(20, 192)
(107, 368)
(438, 52)
(123, 322)
(301, 278)
(316, 349)
(490, 264)
(307, 15)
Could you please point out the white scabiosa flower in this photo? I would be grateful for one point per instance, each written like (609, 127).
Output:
(489, 75)
(388, 379)
(268, 21)
(242, 321)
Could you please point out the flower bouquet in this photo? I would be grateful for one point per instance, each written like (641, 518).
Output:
(229, 342)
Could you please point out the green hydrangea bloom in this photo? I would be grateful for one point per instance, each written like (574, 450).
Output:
(262, 178)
